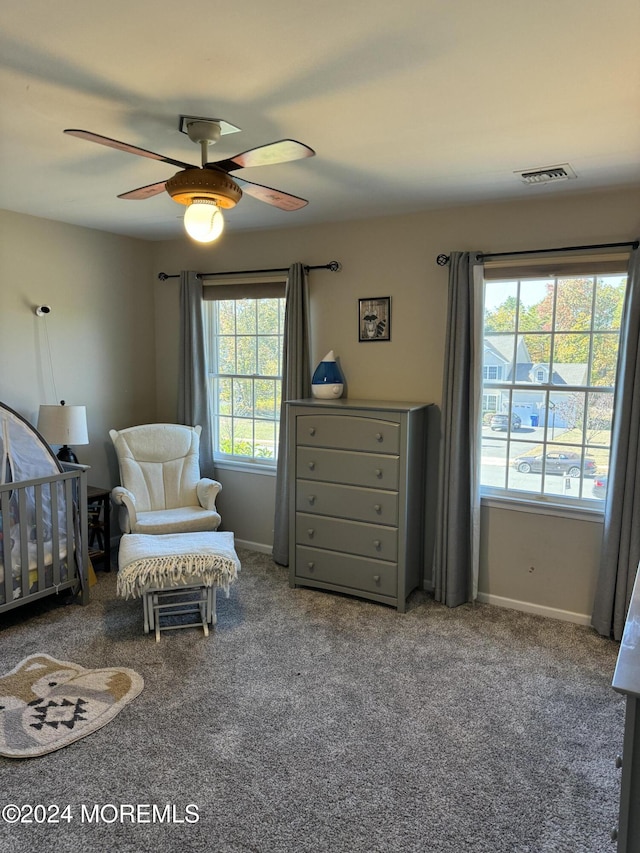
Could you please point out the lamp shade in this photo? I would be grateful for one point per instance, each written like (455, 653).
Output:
(63, 424)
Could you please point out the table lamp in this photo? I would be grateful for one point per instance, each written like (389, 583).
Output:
(64, 425)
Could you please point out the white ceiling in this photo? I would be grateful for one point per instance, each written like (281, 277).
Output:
(409, 105)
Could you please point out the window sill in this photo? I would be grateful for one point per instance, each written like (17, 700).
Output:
(245, 467)
(581, 513)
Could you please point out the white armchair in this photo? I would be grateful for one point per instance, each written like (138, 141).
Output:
(162, 491)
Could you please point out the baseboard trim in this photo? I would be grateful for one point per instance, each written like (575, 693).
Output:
(536, 609)
(254, 546)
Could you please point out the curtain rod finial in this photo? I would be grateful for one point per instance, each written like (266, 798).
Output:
(334, 266)
(163, 276)
(442, 260)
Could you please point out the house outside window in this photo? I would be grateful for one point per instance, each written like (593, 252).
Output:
(492, 371)
(490, 403)
(245, 328)
(558, 336)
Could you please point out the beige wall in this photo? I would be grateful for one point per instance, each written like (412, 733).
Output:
(536, 559)
(396, 257)
(101, 328)
(113, 332)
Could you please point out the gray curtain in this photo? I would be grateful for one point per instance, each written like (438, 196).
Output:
(456, 553)
(193, 382)
(296, 385)
(621, 540)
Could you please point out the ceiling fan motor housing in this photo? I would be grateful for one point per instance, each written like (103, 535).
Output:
(190, 184)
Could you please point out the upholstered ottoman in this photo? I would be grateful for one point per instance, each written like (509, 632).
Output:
(176, 574)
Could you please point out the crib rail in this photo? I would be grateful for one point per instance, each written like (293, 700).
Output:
(44, 546)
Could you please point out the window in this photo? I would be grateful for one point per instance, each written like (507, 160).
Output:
(245, 335)
(490, 403)
(492, 371)
(559, 336)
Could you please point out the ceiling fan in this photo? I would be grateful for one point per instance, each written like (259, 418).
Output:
(210, 187)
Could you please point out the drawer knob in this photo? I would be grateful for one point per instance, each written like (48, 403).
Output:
(376, 544)
(311, 499)
(310, 532)
(376, 578)
(379, 436)
(377, 508)
(618, 761)
(312, 430)
(311, 566)
(312, 465)
(379, 473)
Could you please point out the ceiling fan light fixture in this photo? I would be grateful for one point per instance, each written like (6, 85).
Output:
(203, 220)
(206, 189)
(190, 184)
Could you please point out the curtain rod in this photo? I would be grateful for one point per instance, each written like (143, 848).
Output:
(443, 260)
(334, 266)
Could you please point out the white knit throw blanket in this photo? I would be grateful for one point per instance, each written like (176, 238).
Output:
(164, 561)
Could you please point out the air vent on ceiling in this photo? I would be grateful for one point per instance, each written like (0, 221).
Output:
(548, 174)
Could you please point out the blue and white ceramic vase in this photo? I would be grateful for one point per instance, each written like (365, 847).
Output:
(327, 382)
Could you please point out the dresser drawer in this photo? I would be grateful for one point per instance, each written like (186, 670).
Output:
(373, 505)
(346, 432)
(356, 573)
(351, 537)
(350, 468)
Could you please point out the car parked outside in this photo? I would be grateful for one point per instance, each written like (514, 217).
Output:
(563, 462)
(600, 486)
(500, 423)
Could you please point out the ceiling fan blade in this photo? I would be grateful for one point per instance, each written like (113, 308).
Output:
(123, 146)
(144, 192)
(277, 198)
(265, 155)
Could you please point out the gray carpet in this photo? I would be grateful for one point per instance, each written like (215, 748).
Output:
(314, 722)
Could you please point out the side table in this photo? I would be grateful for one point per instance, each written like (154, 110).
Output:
(99, 512)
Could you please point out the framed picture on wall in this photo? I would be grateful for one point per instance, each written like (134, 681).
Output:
(374, 319)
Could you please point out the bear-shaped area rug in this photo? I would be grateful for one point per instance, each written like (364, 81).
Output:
(46, 704)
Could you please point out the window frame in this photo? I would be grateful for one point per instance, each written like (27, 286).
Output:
(556, 268)
(236, 288)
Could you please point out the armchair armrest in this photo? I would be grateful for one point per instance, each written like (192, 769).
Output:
(207, 491)
(124, 498)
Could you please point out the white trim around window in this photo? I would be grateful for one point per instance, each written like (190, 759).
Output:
(557, 328)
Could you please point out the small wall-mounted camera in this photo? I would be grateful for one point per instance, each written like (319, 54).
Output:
(43, 310)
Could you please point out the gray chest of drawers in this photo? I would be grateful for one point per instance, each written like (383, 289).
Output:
(357, 482)
(626, 680)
